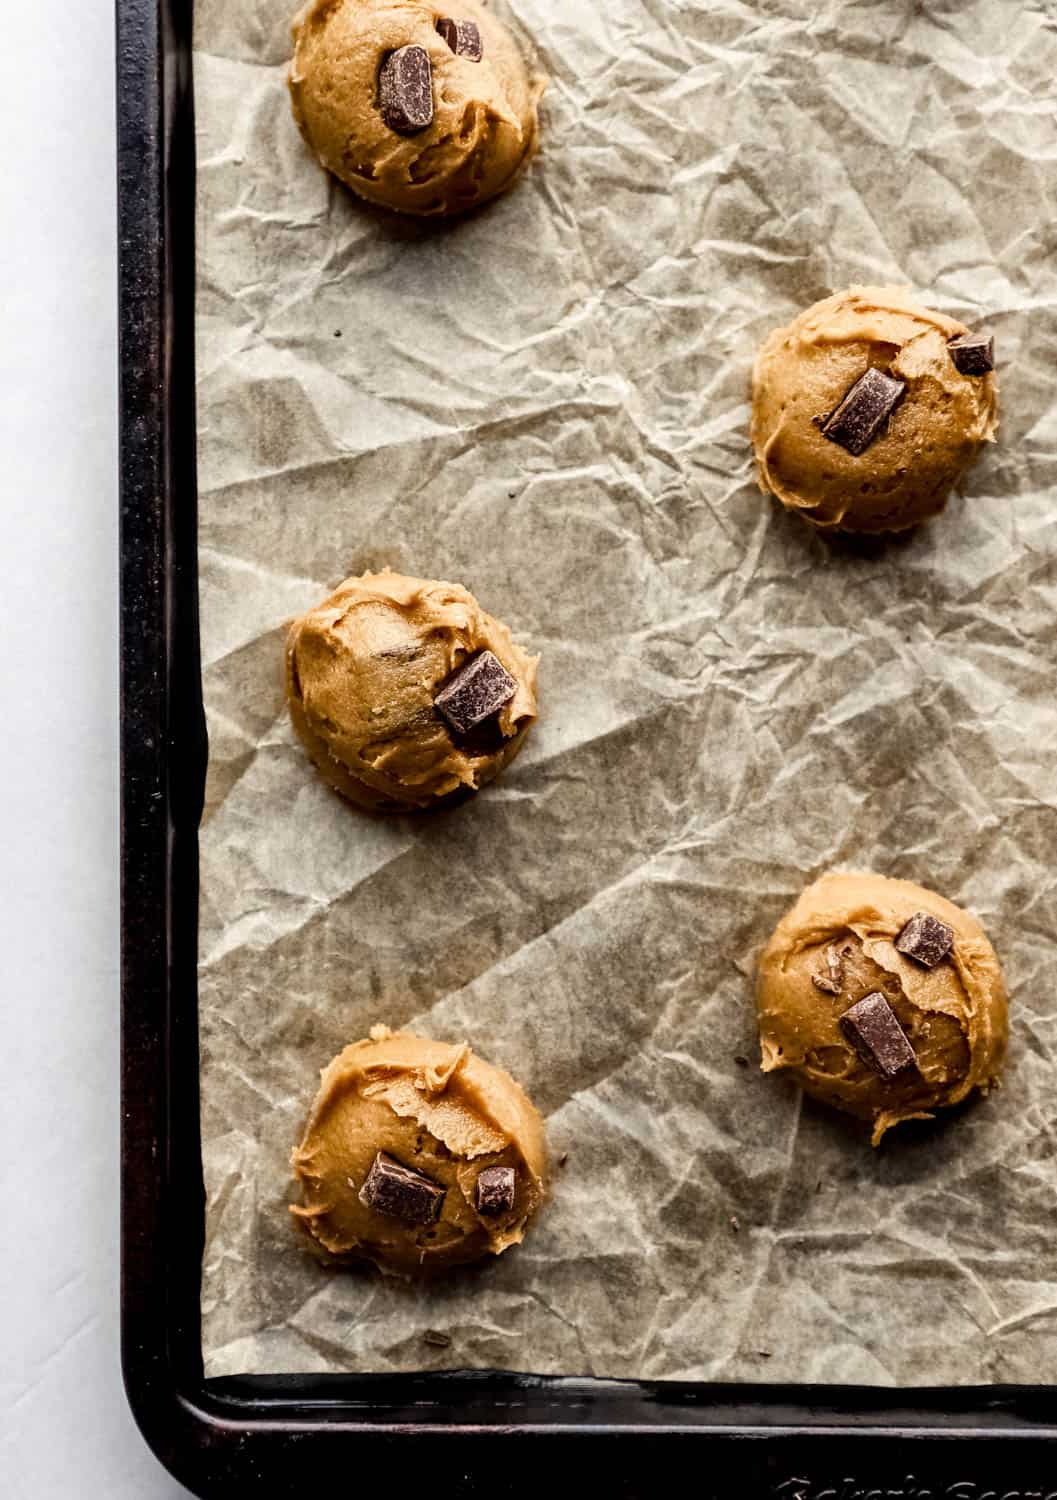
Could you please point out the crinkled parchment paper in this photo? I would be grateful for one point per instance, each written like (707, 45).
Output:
(548, 402)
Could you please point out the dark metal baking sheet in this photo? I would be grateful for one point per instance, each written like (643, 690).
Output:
(469, 1431)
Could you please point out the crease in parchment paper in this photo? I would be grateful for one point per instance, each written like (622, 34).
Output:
(548, 403)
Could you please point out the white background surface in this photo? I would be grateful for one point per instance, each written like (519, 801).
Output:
(65, 1429)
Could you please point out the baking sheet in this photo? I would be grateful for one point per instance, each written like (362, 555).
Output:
(548, 402)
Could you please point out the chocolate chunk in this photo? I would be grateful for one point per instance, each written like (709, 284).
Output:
(831, 981)
(475, 692)
(462, 37)
(405, 90)
(973, 353)
(926, 939)
(865, 409)
(401, 1193)
(495, 1191)
(875, 1033)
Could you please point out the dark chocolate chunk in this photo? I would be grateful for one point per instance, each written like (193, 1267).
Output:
(831, 980)
(462, 37)
(401, 1193)
(926, 939)
(436, 1338)
(973, 353)
(865, 409)
(405, 90)
(475, 692)
(495, 1191)
(875, 1033)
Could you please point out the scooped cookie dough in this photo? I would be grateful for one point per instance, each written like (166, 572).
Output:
(418, 1156)
(412, 105)
(867, 409)
(404, 691)
(882, 999)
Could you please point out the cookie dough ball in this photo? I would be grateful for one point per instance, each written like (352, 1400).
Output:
(436, 131)
(882, 999)
(418, 1156)
(888, 458)
(365, 671)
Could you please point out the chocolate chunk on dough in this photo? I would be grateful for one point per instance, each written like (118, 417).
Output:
(405, 90)
(926, 939)
(830, 980)
(973, 353)
(475, 692)
(495, 1190)
(875, 1033)
(865, 409)
(392, 1189)
(463, 37)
